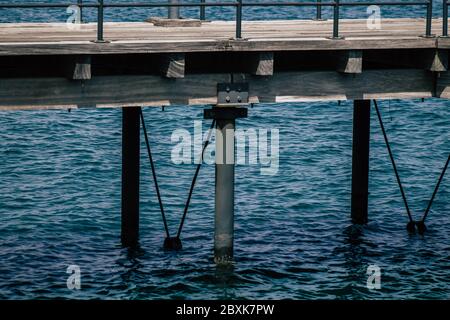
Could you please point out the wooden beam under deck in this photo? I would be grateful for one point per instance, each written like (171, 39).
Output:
(350, 61)
(443, 85)
(173, 65)
(197, 89)
(78, 67)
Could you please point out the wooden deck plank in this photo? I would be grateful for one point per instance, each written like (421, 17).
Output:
(143, 37)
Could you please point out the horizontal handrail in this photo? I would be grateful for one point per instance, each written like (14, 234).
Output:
(100, 5)
(209, 4)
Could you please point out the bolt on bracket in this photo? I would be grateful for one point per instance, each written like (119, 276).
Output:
(232, 94)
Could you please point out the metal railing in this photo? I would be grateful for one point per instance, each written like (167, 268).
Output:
(100, 5)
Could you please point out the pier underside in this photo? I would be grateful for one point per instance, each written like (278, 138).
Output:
(48, 65)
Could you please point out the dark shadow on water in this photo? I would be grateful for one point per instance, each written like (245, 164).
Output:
(352, 251)
(225, 272)
(353, 234)
(133, 253)
(226, 279)
(354, 245)
(131, 263)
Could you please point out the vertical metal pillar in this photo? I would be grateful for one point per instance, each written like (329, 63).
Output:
(360, 161)
(239, 20)
(445, 19)
(80, 7)
(336, 20)
(429, 19)
(319, 10)
(224, 203)
(224, 184)
(100, 18)
(174, 12)
(130, 175)
(202, 11)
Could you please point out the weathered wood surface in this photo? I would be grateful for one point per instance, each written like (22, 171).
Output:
(116, 91)
(443, 85)
(179, 52)
(173, 65)
(164, 22)
(350, 61)
(57, 38)
(79, 67)
(262, 64)
(436, 60)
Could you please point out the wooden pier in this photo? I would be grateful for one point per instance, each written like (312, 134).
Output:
(283, 61)
(50, 66)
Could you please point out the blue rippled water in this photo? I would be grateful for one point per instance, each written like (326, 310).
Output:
(60, 205)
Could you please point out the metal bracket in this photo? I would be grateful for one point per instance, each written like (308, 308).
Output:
(232, 94)
(221, 113)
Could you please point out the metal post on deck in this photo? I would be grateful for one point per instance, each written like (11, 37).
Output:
(319, 10)
(130, 175)
(224, 182)
(202, 11)
(174, 12)
(360, 161)
(336, 20)
(100, 21)
(445, 19)
(429, 19)
(80, 7)
(239, 19)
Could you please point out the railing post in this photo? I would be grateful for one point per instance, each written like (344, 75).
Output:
(336, 20)
(319, 10)
(429, 18)
(239, 19)
(202, 11)
(100, 21)
(80, 7)
(174, 12)
(445, 19)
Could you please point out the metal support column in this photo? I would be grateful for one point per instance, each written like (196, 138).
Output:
(360, 161)
(130, 175)
(174, 12)
(224, 184)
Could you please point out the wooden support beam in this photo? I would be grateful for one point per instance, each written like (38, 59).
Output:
(173, 65)
(78, 67)
(443, 85)
(262, 64)
(436, 60)
(349, 61)
(327, 85)
(196, 89)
